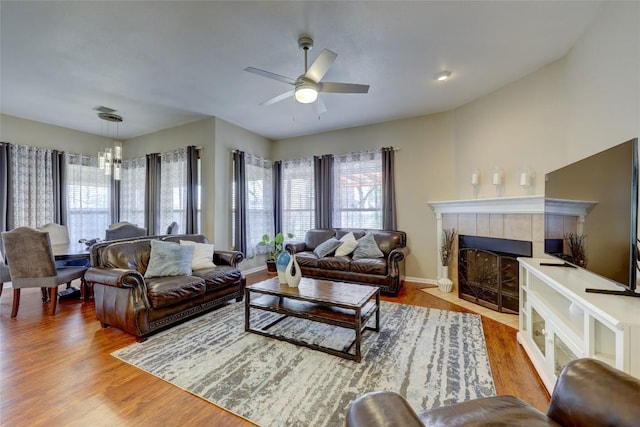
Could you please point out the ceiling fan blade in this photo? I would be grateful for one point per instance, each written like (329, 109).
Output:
(321, 65)
(277, 98)
(332, 87)
(271, 75)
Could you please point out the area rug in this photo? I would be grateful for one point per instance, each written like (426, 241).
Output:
(431, 357)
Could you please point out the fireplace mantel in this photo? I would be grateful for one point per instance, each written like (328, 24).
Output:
(514, 205)
(528, 205)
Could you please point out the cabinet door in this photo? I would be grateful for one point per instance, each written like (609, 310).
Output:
(562, 349)
(539, 331)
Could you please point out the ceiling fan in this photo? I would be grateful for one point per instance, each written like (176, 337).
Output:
(308, 85)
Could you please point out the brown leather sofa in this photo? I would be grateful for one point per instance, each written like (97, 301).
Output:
(588, 393)
(386, 272)
(127, 300)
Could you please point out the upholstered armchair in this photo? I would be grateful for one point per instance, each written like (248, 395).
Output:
(32, 265)
(124, 230)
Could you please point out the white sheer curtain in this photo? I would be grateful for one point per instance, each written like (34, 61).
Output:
(298, 196)
(260, 214)
(132, 190)
(88, 197)
(173, 189)
(358, 190)
(31, 183)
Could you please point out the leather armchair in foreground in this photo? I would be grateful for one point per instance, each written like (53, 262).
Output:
(588, 393)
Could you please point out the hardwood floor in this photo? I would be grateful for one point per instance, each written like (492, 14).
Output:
(58, 371)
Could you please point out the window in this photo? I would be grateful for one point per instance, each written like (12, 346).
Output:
(357, 190)
(173, 190)
(31, 182)
(260, 214)
(88, 198)
(298, 196)
(132, 190)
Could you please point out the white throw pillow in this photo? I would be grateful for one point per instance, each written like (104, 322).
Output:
(349, 244)
(202, 254)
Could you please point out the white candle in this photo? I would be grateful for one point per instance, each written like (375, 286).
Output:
(475, 178)
(497, 178)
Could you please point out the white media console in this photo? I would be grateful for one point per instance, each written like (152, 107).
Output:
(559, 321)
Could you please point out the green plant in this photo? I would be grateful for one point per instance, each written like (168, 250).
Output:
(274, 244)
(447, 245)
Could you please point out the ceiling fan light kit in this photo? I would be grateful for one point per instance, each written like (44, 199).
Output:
(308, 85)
(306, 90)
(442, 76)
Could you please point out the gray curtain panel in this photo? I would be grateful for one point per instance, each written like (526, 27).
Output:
(323, 174)
(4, 187)
(115, 201)
(240, 220)
(277, 195)
(388, 189)
(59, 192)
(152, 199)
(192, 190)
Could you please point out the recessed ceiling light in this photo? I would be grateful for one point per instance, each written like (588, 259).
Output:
(442, 76)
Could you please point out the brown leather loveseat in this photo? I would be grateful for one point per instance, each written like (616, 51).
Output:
(588, 393)
(127, 300)
(386, 271)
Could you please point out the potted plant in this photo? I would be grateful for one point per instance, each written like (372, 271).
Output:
(575, 242)
(446, 248)
(274, 245)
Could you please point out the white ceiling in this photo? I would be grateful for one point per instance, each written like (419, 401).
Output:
(162, 64)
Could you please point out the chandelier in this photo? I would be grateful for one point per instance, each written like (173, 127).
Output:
(110, 160)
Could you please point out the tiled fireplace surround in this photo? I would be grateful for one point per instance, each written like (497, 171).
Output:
(518, 218)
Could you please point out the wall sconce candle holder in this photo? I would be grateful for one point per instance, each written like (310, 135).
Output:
(526, 178)
(497, 179)
(475, 181)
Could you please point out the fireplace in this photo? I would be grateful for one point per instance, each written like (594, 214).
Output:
(488, 271)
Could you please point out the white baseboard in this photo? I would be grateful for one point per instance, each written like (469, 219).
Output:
(421, 280)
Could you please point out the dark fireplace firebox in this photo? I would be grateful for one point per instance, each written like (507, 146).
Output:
(488, 271)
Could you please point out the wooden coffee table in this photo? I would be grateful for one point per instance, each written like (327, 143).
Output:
(340, 304)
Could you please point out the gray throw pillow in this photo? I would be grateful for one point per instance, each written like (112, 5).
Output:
(367, 248)
(326, 247)
(169, 259)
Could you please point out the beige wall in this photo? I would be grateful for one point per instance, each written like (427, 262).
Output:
(27, 132)
(603, 82)
(513, 128)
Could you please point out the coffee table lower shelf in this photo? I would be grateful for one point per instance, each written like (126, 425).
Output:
(355, 320)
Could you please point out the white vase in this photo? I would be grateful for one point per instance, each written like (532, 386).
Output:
(444, 284)
(293, 273)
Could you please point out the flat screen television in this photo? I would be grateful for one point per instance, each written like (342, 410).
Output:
(610, 230)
